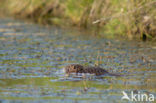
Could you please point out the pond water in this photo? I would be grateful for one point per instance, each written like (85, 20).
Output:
(32, 58)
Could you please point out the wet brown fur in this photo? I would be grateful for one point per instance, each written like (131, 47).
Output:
(77, 68)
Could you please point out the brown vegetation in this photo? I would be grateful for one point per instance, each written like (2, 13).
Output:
(106, 17)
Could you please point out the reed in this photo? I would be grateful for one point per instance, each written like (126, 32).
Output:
(112, 18)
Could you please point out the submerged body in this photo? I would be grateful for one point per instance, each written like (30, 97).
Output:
(77, 68)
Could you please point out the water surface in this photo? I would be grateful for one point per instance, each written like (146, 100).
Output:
(32, 58)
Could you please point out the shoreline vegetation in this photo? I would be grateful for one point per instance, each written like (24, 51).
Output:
(113, 18)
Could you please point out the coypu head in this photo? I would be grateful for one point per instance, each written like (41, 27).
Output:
(73, 68)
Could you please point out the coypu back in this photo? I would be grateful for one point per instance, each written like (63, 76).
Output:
(95, 70)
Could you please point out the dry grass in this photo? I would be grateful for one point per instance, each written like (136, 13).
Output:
(105, 17)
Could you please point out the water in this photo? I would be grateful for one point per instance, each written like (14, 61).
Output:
(32, 58)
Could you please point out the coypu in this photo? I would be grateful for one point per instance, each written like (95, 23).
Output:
(77, 68)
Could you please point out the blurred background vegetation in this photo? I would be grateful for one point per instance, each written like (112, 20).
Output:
(129, 18)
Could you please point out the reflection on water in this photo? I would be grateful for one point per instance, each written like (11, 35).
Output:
(32, 58)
